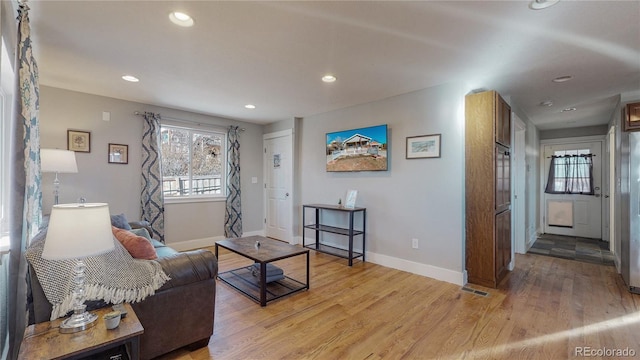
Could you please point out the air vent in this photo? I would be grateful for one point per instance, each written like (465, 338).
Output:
(475, 292)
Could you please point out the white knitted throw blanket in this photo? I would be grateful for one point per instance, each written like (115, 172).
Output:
(114, 277)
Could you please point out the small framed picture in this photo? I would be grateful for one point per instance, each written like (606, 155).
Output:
(118, 154)
(79, 141)
(350, 199)
(632, 120)
(423, 146)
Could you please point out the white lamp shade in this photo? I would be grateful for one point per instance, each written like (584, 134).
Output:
(77, 231)
(56, 160)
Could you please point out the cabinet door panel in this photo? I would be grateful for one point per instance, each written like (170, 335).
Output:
(502, 178)
(503, 122)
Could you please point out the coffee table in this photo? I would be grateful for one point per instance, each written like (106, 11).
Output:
(268, 251)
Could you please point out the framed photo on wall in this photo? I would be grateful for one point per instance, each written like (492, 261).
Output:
(423, 146)
(632, 120)
(118, 154)
(79, 141)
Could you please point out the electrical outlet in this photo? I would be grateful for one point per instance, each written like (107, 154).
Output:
(414, 243)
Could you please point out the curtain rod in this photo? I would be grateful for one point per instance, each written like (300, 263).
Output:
(190, 122)
(561, 156)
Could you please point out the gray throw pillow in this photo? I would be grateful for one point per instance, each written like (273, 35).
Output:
(120, 221)
(142, 232)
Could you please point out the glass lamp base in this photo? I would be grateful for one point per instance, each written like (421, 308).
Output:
(78, 322)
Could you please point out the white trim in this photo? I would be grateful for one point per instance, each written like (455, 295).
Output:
(193, 199)
(277, 134)
(205, 242)
(572, 140)
(434, 272)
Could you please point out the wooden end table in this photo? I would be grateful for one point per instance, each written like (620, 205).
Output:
(269, 250)
(44, 340)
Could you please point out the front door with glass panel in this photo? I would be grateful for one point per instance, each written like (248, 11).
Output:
(572, 195)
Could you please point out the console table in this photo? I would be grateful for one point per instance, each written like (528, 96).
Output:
(350, 231)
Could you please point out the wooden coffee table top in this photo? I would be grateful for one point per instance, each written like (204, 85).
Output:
(269, 249)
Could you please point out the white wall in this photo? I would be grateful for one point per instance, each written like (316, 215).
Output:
(186, 225)
(420, 198)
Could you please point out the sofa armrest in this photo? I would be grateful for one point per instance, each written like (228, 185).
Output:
(188, 267)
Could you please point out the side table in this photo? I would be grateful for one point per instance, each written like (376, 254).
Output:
(44, 340)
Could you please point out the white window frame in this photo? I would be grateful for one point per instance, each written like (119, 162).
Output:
(223, 174)
(6, 97)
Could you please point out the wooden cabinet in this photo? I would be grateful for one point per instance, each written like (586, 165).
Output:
(503, 121)
(487, 187)
(503, 178)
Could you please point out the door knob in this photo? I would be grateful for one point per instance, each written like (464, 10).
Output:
(606, 196)
(287, 194)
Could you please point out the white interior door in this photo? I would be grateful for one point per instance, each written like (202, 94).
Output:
(574, 214)
(519, 184)
(278, 185)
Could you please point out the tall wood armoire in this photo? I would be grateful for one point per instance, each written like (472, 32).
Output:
(488, 188)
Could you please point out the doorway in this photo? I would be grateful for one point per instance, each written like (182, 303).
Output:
(278, 174)
(573, 214)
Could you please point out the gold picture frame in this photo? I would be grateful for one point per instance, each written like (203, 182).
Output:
(79, 141)
(118, 154)
(632, 118)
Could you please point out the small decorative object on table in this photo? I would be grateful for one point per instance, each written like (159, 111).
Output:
(350, 201)
(112, 319)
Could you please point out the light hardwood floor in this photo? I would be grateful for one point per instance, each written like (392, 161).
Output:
(545, 309)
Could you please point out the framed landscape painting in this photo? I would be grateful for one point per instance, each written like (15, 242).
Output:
(423, 146)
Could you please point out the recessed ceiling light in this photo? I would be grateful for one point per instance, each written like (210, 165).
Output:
(561, 79)
(250, 106)
(329, 78)
(542, 4)
(546, 103)
(130, 78)
(181, 19)
(569, 109)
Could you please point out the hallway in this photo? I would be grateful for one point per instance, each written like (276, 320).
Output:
(573, 248)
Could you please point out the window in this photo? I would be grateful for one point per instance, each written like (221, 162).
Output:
(6, 92)
(571, 172)
(193, 162)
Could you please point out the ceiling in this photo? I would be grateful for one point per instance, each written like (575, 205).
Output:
(273, 54)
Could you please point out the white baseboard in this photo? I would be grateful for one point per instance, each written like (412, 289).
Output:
(205, 242)
(195, 244)
(434, 272)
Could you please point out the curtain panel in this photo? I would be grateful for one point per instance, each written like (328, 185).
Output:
(152, 197)
(233, 212)
(571, 174)
(25, 194)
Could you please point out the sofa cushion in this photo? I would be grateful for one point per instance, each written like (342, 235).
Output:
(138, 246)
(142, 232)
(120, 221)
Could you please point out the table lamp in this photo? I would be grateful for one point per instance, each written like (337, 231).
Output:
(77, 231)
(58, 161)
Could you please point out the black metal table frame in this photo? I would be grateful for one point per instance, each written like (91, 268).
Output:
(263, 276)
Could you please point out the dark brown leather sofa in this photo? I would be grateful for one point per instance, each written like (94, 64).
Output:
(181, 312)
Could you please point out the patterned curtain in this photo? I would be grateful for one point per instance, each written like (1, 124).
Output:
(233, 214)
(25, 198)
(152, 198)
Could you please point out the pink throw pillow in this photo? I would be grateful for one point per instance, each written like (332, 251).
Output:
(137, 246)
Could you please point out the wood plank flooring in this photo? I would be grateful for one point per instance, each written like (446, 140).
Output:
(544, 309)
